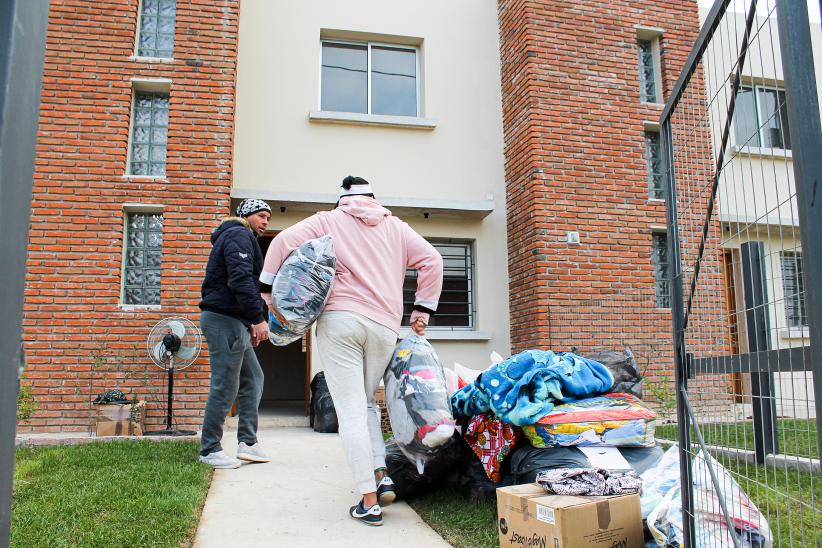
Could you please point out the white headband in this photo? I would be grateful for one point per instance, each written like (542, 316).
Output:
(357, 190)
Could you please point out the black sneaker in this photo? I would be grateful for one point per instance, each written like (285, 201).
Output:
(385, 491)
(369, 516)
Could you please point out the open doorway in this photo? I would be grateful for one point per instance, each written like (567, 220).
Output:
(285, 392)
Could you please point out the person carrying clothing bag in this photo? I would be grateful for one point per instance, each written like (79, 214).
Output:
(233, 322)
(358, 329)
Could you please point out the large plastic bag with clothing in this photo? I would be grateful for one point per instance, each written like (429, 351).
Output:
(623, 367)
(661, 503)
(300, 289)
(417, 400)
(323, 415)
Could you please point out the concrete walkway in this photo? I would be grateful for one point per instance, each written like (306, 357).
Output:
(301, 498)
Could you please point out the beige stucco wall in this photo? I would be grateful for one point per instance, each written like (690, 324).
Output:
(279, 150)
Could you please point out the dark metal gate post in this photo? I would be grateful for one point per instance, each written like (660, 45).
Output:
(757, 326)
(802, 103)
(683, 419)
(22, 43)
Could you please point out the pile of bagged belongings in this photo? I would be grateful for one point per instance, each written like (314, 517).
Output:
(530, 413)
(557, 420)
(300, 290)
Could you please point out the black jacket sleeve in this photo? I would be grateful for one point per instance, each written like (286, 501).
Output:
(238, 254)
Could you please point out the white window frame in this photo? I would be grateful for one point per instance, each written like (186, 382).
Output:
(128, 209)
(760, 148)
(369, 45)
(148, 85)
(472, 285)
(653, 35)
(654, 234)
(146, 59)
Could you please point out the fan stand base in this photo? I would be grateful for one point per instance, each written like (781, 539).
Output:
(171, 432)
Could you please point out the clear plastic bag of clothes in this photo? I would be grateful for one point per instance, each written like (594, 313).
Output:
(417, 400)
(661, 502)
(300, 290)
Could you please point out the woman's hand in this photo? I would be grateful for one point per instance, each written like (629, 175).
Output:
(418, 327)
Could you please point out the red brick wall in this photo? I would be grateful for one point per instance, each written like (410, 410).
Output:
(575, 161)
(79, 341)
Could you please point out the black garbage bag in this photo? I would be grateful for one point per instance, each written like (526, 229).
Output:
(474, 482)
(527, 461)
(322, 415)
(438, 470)
(623, 367)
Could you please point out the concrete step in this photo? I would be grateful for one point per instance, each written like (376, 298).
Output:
(266, 421)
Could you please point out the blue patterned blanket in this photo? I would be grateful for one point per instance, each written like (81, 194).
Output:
(525, 387)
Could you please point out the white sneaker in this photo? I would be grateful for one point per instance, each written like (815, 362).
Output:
(253, 453)
(220, 459)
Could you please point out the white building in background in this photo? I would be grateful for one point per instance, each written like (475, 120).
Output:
(406, 96)
(756, 199)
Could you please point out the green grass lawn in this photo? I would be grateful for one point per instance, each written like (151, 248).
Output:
(790, 500)
(123, 493)
(461, 522)
(796, 437)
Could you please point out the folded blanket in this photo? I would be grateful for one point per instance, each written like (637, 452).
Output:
(616, 419)
(525, 387)
(492, 441)
(589, 481)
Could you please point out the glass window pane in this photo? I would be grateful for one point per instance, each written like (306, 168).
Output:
(141, 134)
(135, 257)
(773, 114)
(344, 78)
(157, 170)
(139, 153)
(660, 254)
(656, 186)
(134, 276)
(150, 135)
(147, 43)
(168, 8)
(153, 257)
(141, 279)
(647, 72)
(142, 116)
(134, 295)
(455, 307)
(150, 7)
(393, 81)
(746, 125)
(155, 222)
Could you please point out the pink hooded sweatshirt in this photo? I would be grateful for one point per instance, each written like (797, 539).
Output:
(373, 250)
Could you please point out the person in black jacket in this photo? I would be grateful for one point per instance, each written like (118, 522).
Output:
(233, 322)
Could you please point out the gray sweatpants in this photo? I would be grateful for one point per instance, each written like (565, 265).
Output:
(355, 352)
(235, 374)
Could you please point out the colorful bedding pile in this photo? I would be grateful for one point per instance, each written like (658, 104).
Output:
(616, 419)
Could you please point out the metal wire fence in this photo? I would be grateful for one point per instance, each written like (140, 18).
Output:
(741, 135)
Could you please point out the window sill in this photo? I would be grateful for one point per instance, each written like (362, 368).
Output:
(795, 333)
(145, 178)
(435, 334)
(358, 119)
(139, 59)
(764, 152)
(655, 201)
(139, 307)
(653, 104)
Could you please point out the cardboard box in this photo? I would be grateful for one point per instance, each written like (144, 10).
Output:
(530, 518)
(120, 419)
